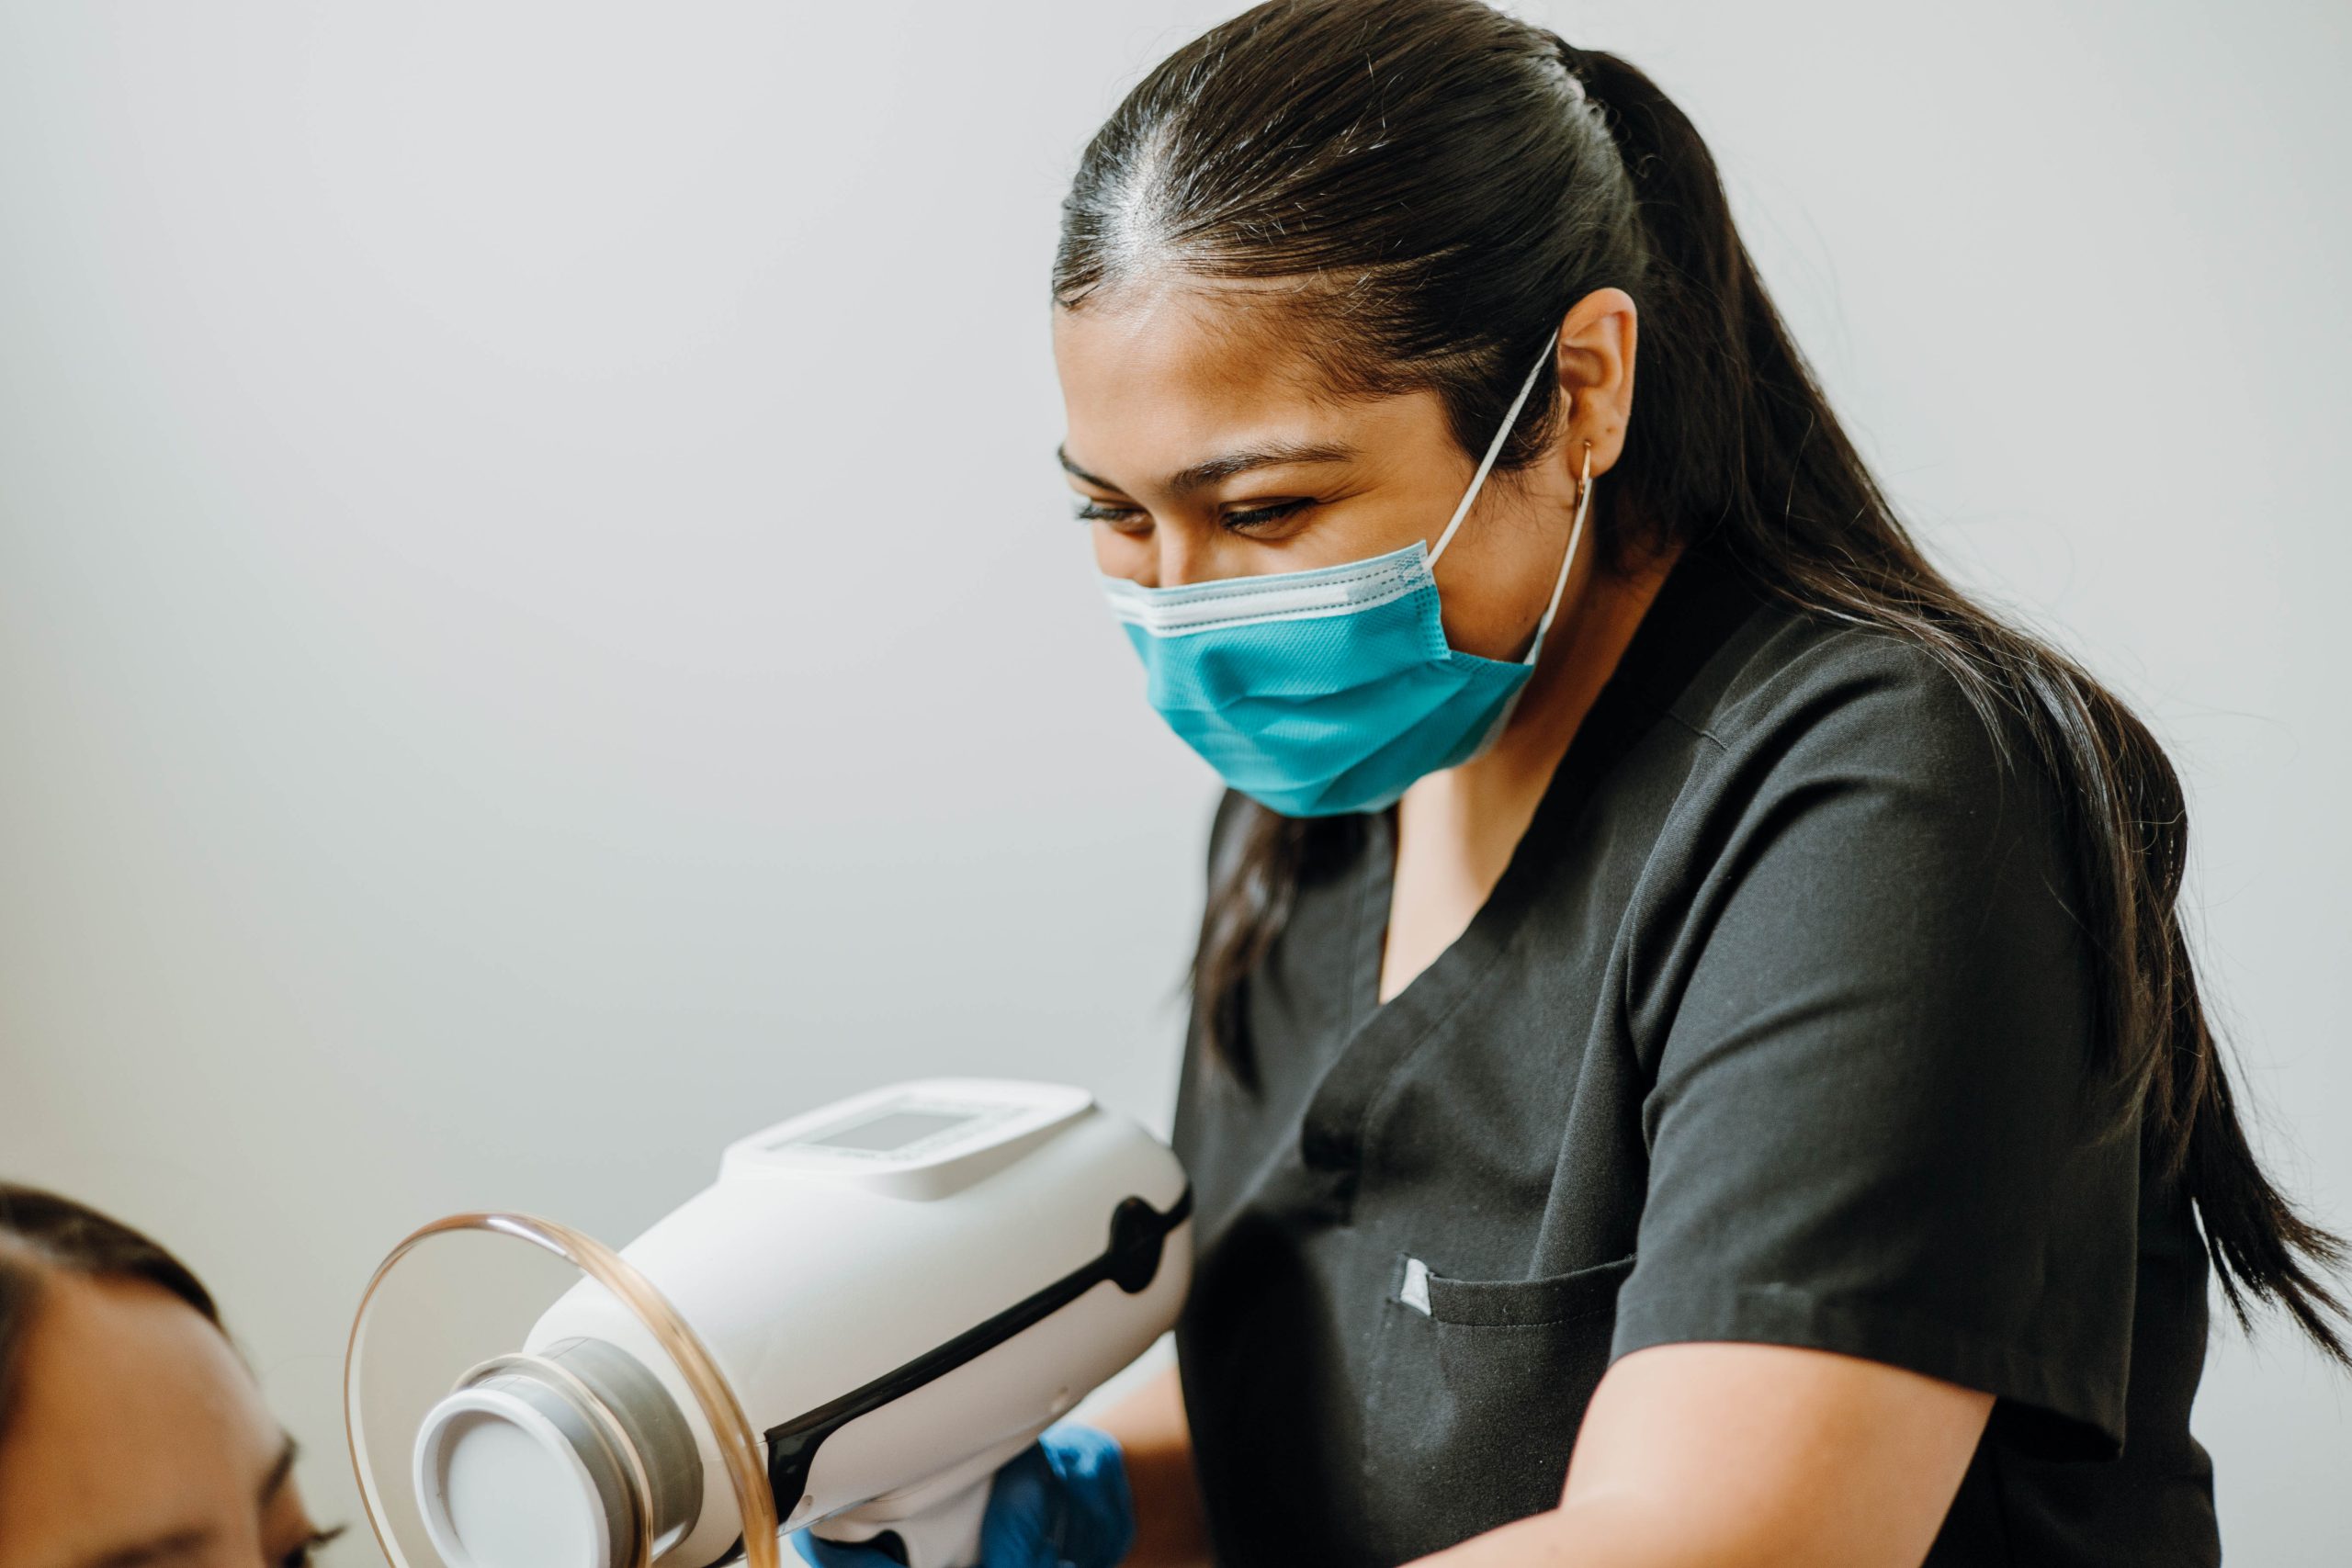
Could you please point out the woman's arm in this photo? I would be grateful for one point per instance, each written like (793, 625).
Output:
(1722, 1455)
(1157, 1447)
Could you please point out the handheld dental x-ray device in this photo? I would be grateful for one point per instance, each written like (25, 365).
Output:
(875, 1307)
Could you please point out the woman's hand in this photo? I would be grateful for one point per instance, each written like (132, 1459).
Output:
(1061, 1503)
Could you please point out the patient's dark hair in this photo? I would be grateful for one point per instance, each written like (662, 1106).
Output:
(42, 1234)
(1438, 183)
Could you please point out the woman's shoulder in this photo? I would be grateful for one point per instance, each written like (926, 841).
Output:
(1803, 686)
(1807, 718)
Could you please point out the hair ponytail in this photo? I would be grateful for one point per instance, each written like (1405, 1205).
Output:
(1456, 179)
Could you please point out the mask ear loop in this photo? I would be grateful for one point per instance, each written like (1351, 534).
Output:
(1494, 450)
(1575, 532)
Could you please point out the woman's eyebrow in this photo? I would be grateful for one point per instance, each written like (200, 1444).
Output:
(1061, 454)
(1185, 481)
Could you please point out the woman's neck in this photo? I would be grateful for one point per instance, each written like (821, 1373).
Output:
(1456, 830)
(1596, 623)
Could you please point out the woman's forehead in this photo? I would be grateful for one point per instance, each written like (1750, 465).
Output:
(1182, 339)
(1156, 382)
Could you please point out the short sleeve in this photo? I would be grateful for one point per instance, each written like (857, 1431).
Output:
(1872, 1127)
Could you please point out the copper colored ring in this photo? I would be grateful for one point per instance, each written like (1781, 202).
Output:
(739, 1453)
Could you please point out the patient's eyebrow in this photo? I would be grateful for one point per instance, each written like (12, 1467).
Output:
(280, 1468)
(178, 1543)
(1185, 481)
(188, 1543)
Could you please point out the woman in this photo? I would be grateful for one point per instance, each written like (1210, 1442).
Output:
(129, 1433)
(1694, 1060)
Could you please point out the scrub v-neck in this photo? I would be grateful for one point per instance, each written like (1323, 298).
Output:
(1666, 649)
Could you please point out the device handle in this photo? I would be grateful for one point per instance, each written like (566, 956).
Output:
(946, 1534)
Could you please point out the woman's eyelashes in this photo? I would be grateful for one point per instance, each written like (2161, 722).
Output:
(300, 1556)
(1255, 518)
(1249, 520)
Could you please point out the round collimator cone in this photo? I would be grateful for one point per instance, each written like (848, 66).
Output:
(516, 1395)
(507, 1477)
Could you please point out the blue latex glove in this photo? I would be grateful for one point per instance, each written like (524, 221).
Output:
(1061, 1503)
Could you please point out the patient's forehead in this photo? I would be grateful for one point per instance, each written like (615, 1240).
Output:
(132, 1422)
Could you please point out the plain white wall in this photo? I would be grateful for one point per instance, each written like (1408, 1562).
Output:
(538, 629)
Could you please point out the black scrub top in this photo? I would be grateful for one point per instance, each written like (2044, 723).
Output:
(1776, 1029)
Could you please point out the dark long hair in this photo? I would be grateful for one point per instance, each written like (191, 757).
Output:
(1440, 182)
(42, 1233)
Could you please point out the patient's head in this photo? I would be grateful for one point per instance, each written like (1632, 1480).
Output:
(130, 1434)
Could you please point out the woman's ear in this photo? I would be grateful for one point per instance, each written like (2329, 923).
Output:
(1596, 369)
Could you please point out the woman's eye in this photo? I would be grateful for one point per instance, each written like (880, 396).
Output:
(1121, 519)
(300, 1556)
(1135, 520)
(1259, 516)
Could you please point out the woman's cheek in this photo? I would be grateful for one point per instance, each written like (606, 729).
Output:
(1481, 624)
(1117, 554)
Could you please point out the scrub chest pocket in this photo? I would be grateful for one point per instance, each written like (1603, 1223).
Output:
(1477, 1387)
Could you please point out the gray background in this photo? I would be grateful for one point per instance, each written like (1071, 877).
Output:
(538, 629)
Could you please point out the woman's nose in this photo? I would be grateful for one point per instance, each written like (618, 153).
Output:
(1185, 557)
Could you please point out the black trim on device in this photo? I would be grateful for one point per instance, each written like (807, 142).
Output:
(1131, 1261)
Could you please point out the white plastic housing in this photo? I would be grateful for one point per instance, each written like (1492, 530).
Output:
(816, 1264)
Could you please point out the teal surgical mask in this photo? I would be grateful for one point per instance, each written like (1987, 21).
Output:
(1331, 690)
